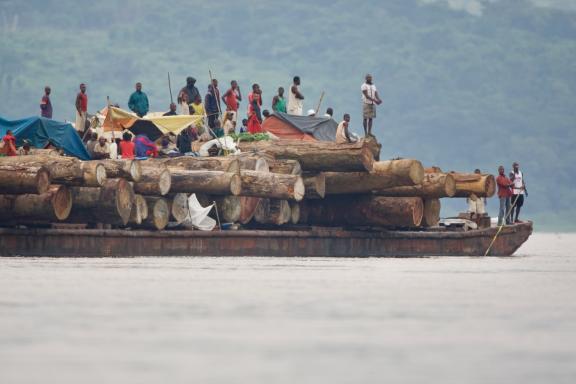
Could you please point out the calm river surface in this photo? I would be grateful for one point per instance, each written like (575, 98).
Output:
(266, 320)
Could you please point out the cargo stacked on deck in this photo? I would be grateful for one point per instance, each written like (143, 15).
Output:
(277, 184)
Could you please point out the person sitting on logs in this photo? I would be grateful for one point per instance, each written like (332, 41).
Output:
(342, 133)
(101, 150)
(144, 147)
(127, 146)
(91, 143)
(25, 150)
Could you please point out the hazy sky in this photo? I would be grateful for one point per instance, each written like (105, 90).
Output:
(475, 7)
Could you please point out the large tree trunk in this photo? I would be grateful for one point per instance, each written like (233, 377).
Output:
(434, 186)
(285, 167)
(219, 163)
(315, 186)
(480, 185)
(318, 156)
(64, 170)
(272, 185)
(229, 208)
(158, 213)
(249, 204)
(178, 205)
(401, 171)
(19, 179)
(211, 182)
(53, 205)
(127, 169)
(155, 179)
(363, 210)
(273, 211)
(431, 216)
(139, 210)
(110, 204)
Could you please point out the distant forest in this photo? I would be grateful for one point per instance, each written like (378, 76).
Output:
(461, 90)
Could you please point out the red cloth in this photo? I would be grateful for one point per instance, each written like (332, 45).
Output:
(83, 101)
(9, 145)
(504, 185)
(231, 100)
(254, 125)
(127, 149)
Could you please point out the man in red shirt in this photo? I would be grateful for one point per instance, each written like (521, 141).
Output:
(127, 146)
(232, 98)
(81, 108)
(504, 194)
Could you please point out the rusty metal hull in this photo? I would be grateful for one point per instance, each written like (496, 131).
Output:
(326, 242)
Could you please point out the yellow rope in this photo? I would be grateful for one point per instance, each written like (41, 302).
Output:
(500, 228)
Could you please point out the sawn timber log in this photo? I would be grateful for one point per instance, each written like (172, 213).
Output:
(51, 206)
(210, 182)
(272, 185)
(19, 179)
(434, 186)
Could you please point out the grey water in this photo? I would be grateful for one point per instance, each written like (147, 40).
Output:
(292, 320)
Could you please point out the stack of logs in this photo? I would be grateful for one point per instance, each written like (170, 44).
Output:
(273, 183)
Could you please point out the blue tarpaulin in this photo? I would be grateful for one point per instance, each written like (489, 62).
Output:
(40, 132)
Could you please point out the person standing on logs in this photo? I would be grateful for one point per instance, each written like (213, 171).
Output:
(279, 102)
(187, 95)
(504, 194)
(254, 110)
(232, 99)
(518, 192)
(138, 102)
(295, 98)
(212, 104)
(370, 99)
(81, 108)
(46, 104)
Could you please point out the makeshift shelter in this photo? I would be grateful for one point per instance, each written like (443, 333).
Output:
(293, 127)
(40, 132)
(154, 126)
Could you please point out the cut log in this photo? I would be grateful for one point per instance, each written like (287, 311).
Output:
(158, 213)
(318, 156)
(64, 170)
(315, 186)
(249, 204)
(178, 205)
(434, 186)
(155, 179)
(433, 169)
(210, 182)
(273, 211)
(272, 185)
(228, 207)
(363, 210)
(338, 183)
(110, 204)
(295, 212)
(53, 205)
(285, 167)
(127, 169)
(139, 210)
(219, 163)
(480, 185)
(20, 179)
(401, 171)
(431, 216)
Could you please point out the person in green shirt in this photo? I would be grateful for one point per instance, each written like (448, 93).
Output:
(279, 102)
(138, 102)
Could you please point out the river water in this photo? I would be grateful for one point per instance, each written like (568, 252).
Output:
(299, 320)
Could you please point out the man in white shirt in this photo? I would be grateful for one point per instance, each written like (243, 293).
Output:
(518, 192)
(295, 98)
(370, 99)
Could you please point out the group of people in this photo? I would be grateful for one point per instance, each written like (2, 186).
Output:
(511, 192)
(128, 147)
(222, 110)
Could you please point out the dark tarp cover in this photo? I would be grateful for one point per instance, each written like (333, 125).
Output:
(322, 128)
(41, 131)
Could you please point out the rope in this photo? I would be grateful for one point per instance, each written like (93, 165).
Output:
(500, 228)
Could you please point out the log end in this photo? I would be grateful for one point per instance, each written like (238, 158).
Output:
(164, 182)
(43, 180)
(490, 186)
(135, 170)
(294, 212)
(179, 207)
(160, 214)
(142, 206)
(417, 211)
(416, 172)
(124, 199)
(431, 216)
(61, 201)
(449, 185)
(367, 159)
(235, 185)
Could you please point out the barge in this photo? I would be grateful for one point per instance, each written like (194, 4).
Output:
(304, 241)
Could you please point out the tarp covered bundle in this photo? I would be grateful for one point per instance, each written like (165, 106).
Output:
(153, 126)
(40, 132)
(293, 127)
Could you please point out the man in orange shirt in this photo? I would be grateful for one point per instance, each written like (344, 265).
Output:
(504, 194)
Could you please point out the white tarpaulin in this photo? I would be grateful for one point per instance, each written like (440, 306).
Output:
(198, 215)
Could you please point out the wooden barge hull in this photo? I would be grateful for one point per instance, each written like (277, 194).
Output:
(312, 242)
